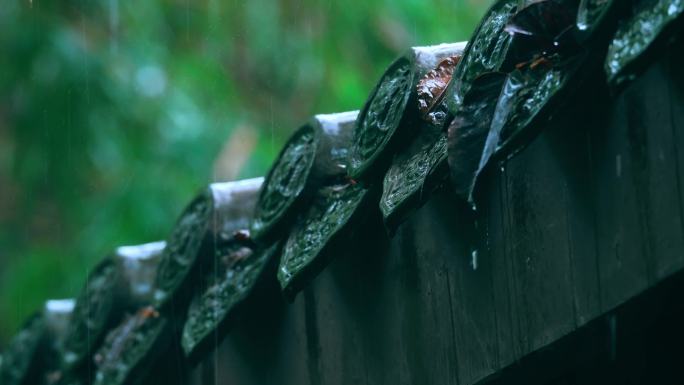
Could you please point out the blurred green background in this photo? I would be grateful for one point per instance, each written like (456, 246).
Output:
(114, 113)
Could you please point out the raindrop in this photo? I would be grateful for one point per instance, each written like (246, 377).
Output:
(618, 166)
(437, 117)
(612, 325)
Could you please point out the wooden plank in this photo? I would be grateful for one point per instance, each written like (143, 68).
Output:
(587, 217)
(443, 231)
(569, 151)
(639, 218)
(654, 155)
(386, 314)
(675, 86)
(492, 220)
(447, 234)
(339, 312)
(621, 247)
(267, 346)
(539, 247)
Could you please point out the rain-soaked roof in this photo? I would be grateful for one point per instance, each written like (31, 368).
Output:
(440, 114)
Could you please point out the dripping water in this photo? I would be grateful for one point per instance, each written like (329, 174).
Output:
(473, 258)
(474, 253)
(612, 325)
